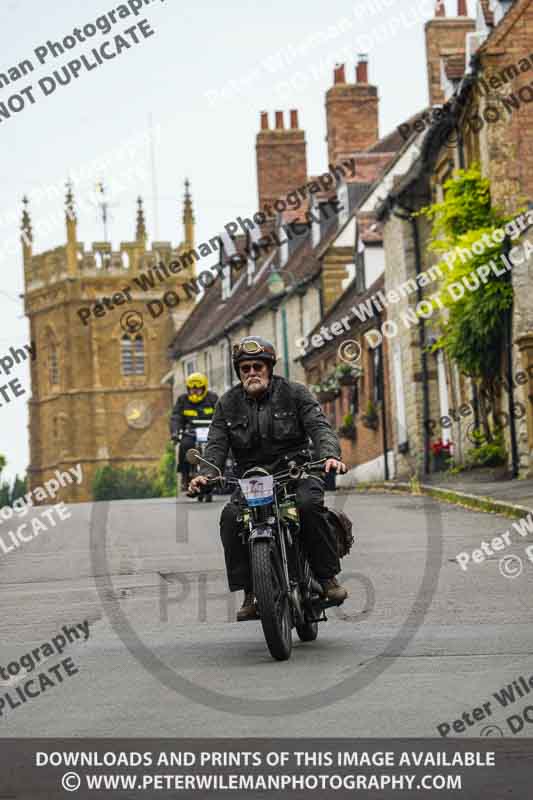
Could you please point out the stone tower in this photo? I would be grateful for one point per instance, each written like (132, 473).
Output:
(99, 381)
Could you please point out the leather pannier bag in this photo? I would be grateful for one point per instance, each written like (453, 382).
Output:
(343, 531)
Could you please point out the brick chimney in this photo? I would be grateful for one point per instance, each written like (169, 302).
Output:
(281, 159)
(444, 33)
(351, 112)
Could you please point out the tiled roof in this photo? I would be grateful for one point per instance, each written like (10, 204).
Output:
(211, 317)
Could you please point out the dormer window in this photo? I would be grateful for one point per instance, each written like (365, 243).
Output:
(250, 271)
(227, 250)
(343, 198)
(284, 247)
(315, 228)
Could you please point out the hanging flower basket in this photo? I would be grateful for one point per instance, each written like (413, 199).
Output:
(371, 418)
(370, 421)
(442, 455)
(348, 432)
(346, 380)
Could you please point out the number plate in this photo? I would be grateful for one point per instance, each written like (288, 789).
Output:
(258, 491)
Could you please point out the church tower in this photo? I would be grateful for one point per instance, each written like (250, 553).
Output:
(99, 394)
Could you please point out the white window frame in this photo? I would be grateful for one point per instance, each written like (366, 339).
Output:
(189, 366)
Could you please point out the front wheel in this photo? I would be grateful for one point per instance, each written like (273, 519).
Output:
(272, 601)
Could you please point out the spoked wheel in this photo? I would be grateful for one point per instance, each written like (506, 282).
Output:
(272, 602)
(308, 631)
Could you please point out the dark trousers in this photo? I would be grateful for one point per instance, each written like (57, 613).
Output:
(188, 440)
(317, 534)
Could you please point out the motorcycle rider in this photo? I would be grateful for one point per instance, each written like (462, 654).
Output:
(267, 420)
(198, 403)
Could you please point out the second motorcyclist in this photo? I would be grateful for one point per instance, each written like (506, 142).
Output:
(197, 404)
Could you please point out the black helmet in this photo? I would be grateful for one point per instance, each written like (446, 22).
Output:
(253, 347)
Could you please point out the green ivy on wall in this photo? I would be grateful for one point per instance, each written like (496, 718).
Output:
(473, 327)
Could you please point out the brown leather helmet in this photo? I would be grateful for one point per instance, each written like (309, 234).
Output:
(253, 347)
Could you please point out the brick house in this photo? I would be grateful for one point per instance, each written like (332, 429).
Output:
(355, 319)
(475, 130)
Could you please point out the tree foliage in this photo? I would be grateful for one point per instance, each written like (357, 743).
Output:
(129, 483)
(8, 494)
(166, 472)
(472, 327)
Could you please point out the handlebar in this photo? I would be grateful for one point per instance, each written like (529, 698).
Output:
(293, 472)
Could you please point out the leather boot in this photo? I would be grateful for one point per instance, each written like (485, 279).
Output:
(248, 610)
(333, 590)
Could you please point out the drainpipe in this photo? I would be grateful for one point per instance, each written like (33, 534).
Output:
(383, 408)
(515, 460)
(421, 331)
(230, 359)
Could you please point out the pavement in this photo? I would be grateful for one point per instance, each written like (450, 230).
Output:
(420, 643)
(489, 483)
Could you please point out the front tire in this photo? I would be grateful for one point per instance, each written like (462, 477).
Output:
(272, 601)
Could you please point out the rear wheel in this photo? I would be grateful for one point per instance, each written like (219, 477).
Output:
(308, 631)
(272, 601)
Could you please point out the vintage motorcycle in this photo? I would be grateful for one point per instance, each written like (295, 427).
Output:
(287, 593)
(199, 430)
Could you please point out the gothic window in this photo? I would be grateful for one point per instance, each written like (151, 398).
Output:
(54, 365)
(132, 355)
(53, 361)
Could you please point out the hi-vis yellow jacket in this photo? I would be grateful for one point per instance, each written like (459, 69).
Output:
(184, 411)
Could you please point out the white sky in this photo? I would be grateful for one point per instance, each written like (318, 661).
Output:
(177, 76)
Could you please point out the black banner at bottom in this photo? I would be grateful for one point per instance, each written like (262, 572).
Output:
(295, 768)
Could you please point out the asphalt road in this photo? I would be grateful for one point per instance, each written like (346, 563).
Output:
(417, 644)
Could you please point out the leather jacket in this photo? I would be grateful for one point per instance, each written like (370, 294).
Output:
(184, 411)
(265, 431)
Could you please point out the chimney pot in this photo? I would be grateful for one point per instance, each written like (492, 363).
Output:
(264, 120)
(279, 120)
(338, 74)
(361, 72)
(462, 10)
(294, 118)
(440, 9)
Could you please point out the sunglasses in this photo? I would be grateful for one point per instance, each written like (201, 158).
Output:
(256, 366)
